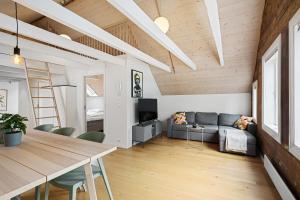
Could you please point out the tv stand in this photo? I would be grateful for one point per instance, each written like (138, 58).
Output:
(144, 132)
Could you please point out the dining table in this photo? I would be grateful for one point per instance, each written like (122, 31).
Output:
(42, 157)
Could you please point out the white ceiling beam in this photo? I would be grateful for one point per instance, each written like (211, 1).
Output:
(8, 23)
(36, 51)
(70, 19)
(214, 20)
(131, 10)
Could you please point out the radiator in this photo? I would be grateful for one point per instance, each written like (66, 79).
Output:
(281, 187)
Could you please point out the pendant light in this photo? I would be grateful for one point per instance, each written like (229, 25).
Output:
(18, 59)
(160, 21)
(163, 24)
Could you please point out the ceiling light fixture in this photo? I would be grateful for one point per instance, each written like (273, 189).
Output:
(66, 36)
(18, 59)
(162, 23)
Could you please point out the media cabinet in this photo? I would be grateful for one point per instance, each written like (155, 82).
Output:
(144, 132)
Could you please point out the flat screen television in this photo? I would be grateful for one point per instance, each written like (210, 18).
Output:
(147, 110)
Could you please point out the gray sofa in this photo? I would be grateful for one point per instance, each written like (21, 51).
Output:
(215, 127)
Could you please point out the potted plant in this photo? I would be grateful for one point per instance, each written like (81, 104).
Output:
(12, 126)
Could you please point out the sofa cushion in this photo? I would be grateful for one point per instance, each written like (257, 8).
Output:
(228, 119)
(190, 117)
(210, 129)
(179, 127)
(206, 118)
(222, 134)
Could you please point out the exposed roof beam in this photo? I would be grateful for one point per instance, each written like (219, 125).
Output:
(214, 20)
(8, 23)
(64, 16)
(36, 51)
(131, 10)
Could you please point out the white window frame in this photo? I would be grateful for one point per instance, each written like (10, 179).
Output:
(254, 100)
(276, 46)
(295, 150)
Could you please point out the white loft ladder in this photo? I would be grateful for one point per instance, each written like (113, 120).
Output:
(42, 95)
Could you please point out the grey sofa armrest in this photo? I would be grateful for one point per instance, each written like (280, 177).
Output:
(170, 123)
(252, 128)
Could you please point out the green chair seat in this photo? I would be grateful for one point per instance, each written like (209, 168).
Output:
(45, 127)
(66, 131)
(76, 178)
(92, 136)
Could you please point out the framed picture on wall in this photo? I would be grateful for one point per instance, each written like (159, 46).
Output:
(3, 100)
(136, 84)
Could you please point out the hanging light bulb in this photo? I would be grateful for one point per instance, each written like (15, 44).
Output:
(18, 59)
(162, 23)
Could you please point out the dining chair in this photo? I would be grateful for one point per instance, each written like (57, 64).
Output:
(72, 180)
(44, 127)
(66, 131)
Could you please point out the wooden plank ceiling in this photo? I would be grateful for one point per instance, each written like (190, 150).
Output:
(189, 28)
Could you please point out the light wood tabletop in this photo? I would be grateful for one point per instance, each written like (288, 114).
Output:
(48, 161)
(16, 178)
(44, 156)
(86, 148)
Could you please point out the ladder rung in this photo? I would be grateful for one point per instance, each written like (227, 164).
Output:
(44, 107)
(42, 97)
(47, 117)
(39, 78)
(44, 87)
(38, 70)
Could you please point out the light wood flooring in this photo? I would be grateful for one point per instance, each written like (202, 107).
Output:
(169, 169)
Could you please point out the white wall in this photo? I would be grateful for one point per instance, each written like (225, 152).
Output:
(220, 103)
(115, 122)
(12, 96)
(25, 107)
(150, 90)
(75, 76)
(120, 113)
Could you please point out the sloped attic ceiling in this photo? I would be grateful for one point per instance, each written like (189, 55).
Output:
(189, 28)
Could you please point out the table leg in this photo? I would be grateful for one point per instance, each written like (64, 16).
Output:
(187, 135)
(100, 162)
(90, 181)
(37, 193)
(202, 135)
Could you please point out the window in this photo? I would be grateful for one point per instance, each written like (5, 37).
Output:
(294, 31)
(254, 101)
(271, 63)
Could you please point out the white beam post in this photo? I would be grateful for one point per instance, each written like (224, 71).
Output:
(131, 10)
(214, 20)
(70, 19)
(8, 23)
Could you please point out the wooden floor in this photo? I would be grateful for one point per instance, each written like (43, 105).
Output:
(168, 169)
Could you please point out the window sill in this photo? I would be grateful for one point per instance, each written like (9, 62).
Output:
(273, 132)
(295, 151)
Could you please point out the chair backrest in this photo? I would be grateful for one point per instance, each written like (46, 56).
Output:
(93, 136)
(66, 131)
(45, 127)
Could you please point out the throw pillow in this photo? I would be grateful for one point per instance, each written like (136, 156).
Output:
(242, 123)
(180, 118)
